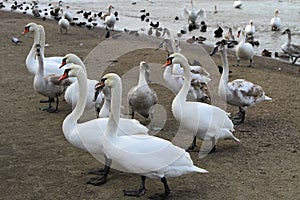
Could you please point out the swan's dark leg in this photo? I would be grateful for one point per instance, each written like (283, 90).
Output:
(250, 63)
(240, 117)
(47, 101)
(294, 60)
(167, 190)
(193, 146)
(137, 193)
(101, 180)
(213, 143)
(49, 105)
(51, 110)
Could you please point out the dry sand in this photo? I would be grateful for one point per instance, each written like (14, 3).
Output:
(38, 163)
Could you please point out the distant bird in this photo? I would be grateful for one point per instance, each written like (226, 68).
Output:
(16, 40)
(250, 29)
(237, 4)
(266, 53)
(203, 26)
(244, 50)
(218, 33)
(193, 14)
(291, 49)
(109, 18)
(35, 11)
(275, 21)
(156, 25)
(215, 11)
(63, 23)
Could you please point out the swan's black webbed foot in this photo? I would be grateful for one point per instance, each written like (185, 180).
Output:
(97, 181)
(51, 110)
(135, 193)
(164, 195)
(97, 171)
(193, 147)
(159, 196)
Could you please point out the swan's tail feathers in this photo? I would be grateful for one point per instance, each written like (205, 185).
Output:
(268, 98)
(233, 137)
(198, 169)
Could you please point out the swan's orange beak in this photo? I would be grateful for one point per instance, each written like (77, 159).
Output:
(26, 30)
(63, 63)
(168, 62)
(64, 76)
(99, 85)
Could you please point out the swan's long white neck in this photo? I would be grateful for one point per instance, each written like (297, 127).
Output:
(40, 69)
(289, 38)
(114, 117)
(39, 38)
(224, 77)
(76, 60)
(73, 117)
(181, 96)
(142, 77)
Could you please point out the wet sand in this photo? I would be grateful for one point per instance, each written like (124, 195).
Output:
(37, 162)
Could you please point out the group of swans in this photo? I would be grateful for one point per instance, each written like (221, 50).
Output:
(123, 141)
(173, 74)
(238, 92)
(292, 50)
(72, 92)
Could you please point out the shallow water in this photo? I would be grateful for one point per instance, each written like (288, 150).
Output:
(165, 12)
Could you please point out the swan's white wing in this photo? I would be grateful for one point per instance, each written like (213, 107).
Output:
(185, 13)
(202, 13)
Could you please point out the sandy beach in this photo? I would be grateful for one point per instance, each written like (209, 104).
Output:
(37, 162)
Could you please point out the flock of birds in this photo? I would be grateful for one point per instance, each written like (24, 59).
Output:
(126, 141)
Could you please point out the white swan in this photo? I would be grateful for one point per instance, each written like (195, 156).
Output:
(48, 86)
(63, 23)
(88, 136)
(193, 14)
(275, 21)
(142, 98)
(72, 92)
(109, 18)
(250, 28)
(291, 49)
(173, 75)
(206, 121)
(237, 4)
(146, 155)
(244, 50)
(51, 64)
(238, 92)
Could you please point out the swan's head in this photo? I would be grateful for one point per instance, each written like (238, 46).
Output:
(70, 71)
(276, 12)
(144, 66)
(287, 31)
(110, 80)
(110, 7)
(176, 58)
(69, 58)
(221, 45)
(251, 22)
(30, 27)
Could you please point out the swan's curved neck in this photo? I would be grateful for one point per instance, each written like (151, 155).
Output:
(114, 116)
(223, 84)
(39, 38)
(289, 38)
(40, 69)
(142, 78)
(79, 108)
(225, 72)
(76, 60)
(181, 96)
